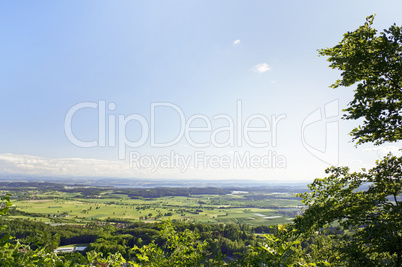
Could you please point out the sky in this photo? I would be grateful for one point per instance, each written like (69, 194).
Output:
(207, 90)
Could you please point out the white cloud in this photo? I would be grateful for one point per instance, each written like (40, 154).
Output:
(35, 165)
(73, 167)
(236, 42)
(261, 68)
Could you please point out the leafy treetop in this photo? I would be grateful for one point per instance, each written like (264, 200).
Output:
(374, 63)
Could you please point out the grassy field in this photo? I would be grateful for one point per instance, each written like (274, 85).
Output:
(72, 208)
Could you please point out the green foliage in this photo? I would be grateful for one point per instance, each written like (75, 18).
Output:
(374, 63)
(5, 204)
(96, 259)
(366, 204)
(321, 249)
(275, 250)
(181, 249)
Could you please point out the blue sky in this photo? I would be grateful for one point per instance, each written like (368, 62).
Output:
(202, 57)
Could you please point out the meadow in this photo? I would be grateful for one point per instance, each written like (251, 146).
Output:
(244, 207)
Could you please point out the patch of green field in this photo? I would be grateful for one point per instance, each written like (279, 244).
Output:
(73, 208)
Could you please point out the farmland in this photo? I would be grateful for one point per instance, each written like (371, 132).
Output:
(81, 205)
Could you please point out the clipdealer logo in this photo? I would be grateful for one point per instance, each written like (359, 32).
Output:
(239, 131)
(329, 151)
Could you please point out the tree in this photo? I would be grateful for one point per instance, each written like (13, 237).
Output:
(5, 204)
(181, 249)
(374, 63)
(274, 250)
(366, 206)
